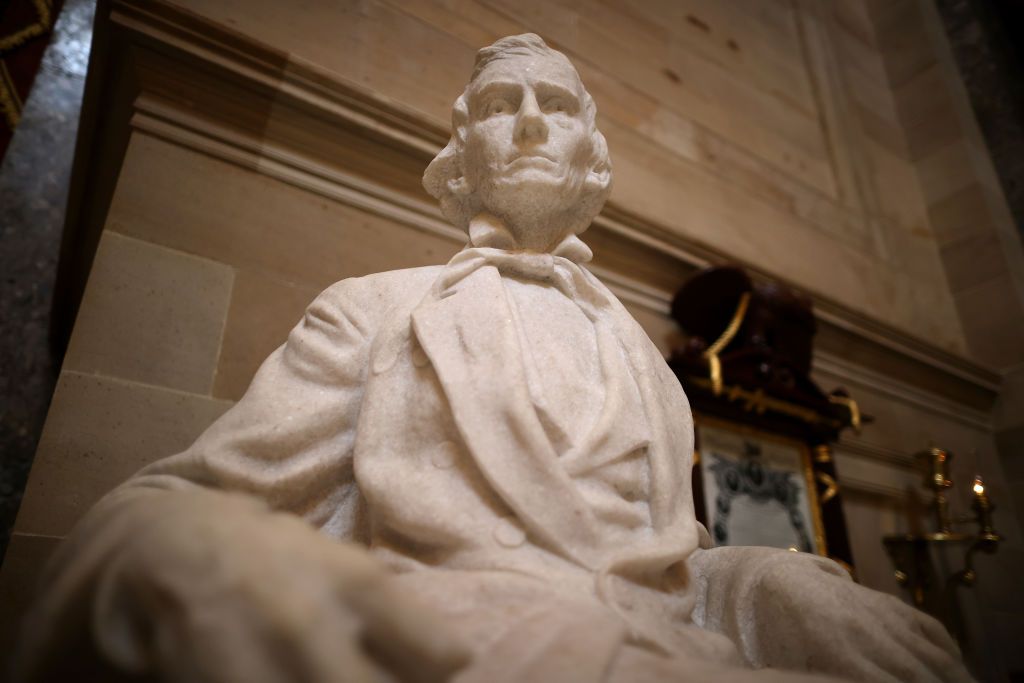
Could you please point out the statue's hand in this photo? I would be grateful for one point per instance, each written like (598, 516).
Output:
(219, 589)
(802, 612)
(864, 631)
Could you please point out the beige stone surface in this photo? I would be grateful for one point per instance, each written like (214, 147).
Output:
(735, 222)
(946, 171)
(732, 104)
(899, 194)
(987, 309)
(930, 121)
(868, 516)
(100, 431)
(707, 90)
(263, 311)
(151, 315)
(954, 216)
(899, 30)
(189, 202)
(973, 260)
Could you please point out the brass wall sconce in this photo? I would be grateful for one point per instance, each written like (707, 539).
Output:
(910, 553)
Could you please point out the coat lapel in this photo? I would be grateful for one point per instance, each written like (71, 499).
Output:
(621, 427)
(670, 452)
(468, 333)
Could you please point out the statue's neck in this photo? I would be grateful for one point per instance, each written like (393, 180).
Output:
(487, 230)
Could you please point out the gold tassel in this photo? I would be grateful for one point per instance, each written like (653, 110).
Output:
(711, 354)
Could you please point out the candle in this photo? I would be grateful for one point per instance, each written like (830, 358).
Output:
(939, 482)
(982, 506)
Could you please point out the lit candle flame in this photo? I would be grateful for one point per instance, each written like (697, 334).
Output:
(979, 486)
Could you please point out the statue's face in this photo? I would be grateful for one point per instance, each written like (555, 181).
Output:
(527, 143)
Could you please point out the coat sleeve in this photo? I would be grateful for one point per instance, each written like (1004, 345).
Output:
(286, 446)
(289, 440)
(803, 612)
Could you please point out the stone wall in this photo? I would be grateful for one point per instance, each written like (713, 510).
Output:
(244, 155)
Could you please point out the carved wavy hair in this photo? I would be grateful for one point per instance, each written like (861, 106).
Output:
(445, 179)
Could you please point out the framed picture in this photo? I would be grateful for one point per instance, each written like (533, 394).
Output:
(757, 488)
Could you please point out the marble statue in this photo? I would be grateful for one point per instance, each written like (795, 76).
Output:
(472, 472)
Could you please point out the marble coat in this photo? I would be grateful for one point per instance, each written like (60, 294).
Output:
(402, 414)
(399, 415)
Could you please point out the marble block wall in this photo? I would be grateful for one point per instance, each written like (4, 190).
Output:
(250, 154)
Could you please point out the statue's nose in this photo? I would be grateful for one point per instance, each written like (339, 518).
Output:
(531, 128)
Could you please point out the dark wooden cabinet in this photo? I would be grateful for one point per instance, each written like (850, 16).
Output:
(765, 430)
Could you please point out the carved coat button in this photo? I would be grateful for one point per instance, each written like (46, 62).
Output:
(445, 455)
(419, 357)
(509, 532)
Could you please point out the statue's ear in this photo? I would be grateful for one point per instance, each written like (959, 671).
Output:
(599, 177)
(459, 186)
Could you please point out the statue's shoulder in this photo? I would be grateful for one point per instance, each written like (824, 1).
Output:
(371, 297)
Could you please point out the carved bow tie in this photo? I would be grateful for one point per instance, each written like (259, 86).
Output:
(491, 244)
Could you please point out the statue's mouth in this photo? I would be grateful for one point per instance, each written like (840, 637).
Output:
(536, 159)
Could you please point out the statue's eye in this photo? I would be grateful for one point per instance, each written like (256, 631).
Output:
(554, 105)
(497, 106)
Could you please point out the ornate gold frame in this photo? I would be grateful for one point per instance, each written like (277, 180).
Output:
(805, 456)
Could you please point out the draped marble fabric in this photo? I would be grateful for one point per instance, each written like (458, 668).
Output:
(404, 413)
(418, 433)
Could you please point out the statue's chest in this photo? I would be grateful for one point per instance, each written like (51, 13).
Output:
(560, 357)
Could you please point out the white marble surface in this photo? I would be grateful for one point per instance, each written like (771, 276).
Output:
(477, 471)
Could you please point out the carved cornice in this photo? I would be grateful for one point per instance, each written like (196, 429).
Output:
(875, 488)
(206, 87)
(835, 369)
(158, 24)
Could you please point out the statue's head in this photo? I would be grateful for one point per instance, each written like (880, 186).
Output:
(524, 148)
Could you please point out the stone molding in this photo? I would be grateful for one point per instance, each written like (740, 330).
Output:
(837, 369)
